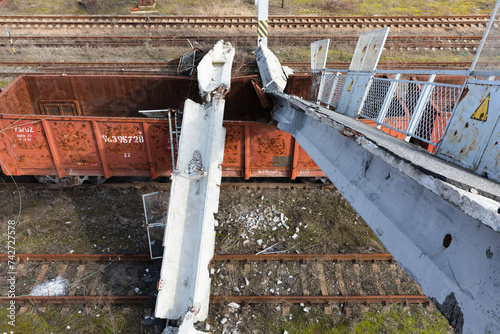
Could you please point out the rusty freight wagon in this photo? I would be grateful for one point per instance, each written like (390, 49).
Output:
(92, 126)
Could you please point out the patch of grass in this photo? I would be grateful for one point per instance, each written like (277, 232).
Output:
(312, 319)
(330, 226)
(293, 53)
(5, 83)
(79, 320)
(303, 53)
(413, 319)
(210, 7)
(422, 7)
(78, 219)
(427, 55)
(392, 56)
(70, 7)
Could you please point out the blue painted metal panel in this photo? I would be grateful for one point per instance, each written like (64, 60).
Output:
(470, 138)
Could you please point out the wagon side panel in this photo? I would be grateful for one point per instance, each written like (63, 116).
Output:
(24, 149)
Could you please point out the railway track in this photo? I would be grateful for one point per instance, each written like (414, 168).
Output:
(439, 42)
(166, 185)
(17, 68)
(225, 22)
(264, 278)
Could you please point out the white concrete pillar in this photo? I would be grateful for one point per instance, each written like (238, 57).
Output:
(262, 25)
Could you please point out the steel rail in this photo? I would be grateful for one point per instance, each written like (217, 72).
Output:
(146, 64)
(140, 64)
(217, 257)
(77, 257)
(385, 299)
(56, 21)
(291, 299)
(440, 43)
(303, 257)
(166, 185)
(115, 41)
(83, 72)
(163, 68)
(76, 299)
(240, 17)
(392, 299)
(250, 42)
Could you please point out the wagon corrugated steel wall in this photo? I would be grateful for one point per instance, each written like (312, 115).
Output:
(87, 125)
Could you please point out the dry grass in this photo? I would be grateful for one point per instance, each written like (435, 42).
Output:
(332, 227)
(210, 7)
(269, 318)
(121, 54)
(247, 7)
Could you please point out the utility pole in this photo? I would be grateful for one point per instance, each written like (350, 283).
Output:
(262, 26)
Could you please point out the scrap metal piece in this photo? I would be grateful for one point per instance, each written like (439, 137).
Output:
(319, 53)
(187, 62)
(473, 133)
(361, 71)
(154, 213)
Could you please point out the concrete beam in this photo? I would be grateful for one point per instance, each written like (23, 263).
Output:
(274, 76)
(184, 287)
(444, 236)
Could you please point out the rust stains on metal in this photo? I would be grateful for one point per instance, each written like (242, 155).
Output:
(78, 257)
(108, 147)
(348, 132)
(464, 94)
(412, 299)
(303, 257)
(42, 134)
(217, 257)
(264, 100)
(299, 85)
(77, 299)
(254, 149)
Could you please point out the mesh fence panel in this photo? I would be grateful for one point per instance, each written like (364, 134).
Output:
(335, 96)
(328, 81)
(432, 119)
(375, 99)
(436, 114)
(402, 106)
(332, 88)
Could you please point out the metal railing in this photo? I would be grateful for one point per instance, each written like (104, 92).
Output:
(330, 89)
(419, 109)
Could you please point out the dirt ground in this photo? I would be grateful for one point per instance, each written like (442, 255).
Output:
(102, 219)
